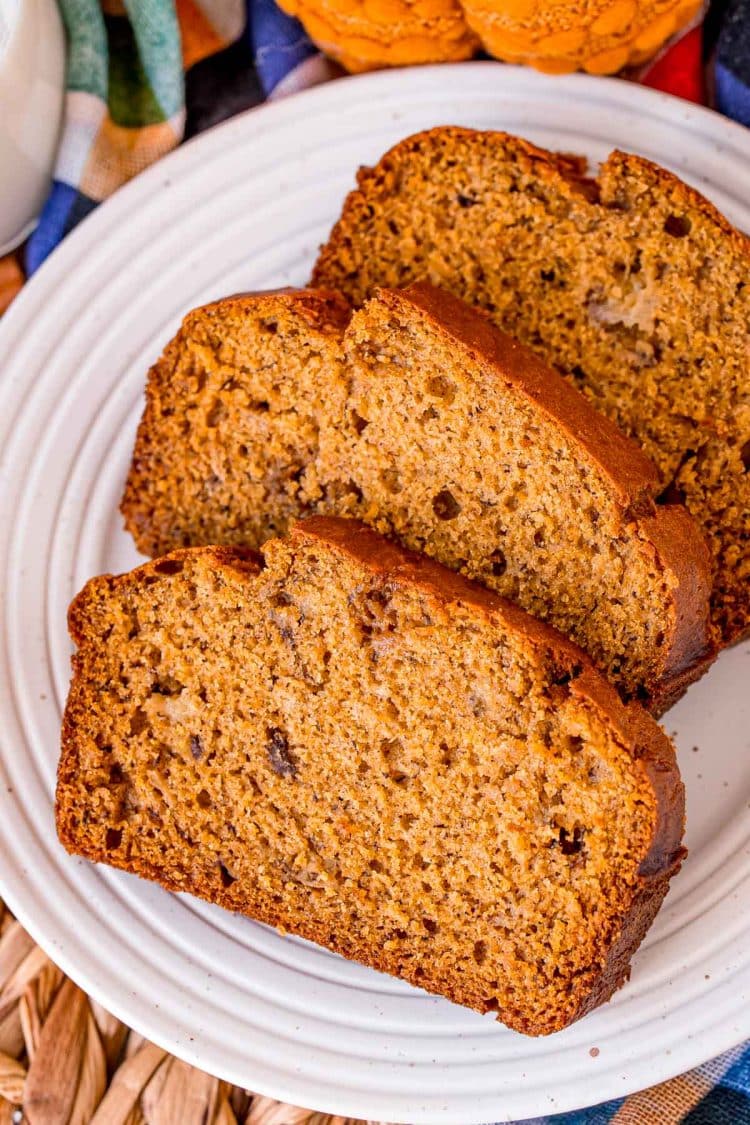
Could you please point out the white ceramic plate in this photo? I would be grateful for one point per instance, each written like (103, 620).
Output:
(245, 207)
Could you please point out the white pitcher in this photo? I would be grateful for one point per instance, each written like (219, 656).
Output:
(32, 78)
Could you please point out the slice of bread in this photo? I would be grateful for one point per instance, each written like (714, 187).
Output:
(430, 425)
(356, 745)
(632, 285)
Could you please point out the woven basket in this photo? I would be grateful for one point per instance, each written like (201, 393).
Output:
(64, 1060)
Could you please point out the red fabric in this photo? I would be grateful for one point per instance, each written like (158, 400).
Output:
(679, 69)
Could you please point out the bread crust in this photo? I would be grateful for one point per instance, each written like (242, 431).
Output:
(387, 564)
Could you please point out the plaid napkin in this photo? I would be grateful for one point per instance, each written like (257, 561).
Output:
(144, 74)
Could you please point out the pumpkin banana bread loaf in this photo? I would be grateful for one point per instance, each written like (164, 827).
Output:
(632, 285)
(424, 421)
(304, 738)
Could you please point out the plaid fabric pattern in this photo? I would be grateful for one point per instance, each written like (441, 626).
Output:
(717, 1093)
(144, 74)
(126, 96)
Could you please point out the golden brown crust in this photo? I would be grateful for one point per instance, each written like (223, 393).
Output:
(385, 563)
(323, 309)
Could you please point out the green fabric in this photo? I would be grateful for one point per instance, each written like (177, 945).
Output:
(88, 57)
(133, 61)
(132, 102)
(157, 35)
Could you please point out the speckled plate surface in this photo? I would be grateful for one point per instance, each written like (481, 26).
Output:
(244, 207)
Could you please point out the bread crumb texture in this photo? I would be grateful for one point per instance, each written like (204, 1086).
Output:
(357, 746)
(599, 36)
(632, 285)
(420, 418)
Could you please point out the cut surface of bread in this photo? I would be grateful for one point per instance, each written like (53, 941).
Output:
(424, 421)
(357, 745)
(633, 286)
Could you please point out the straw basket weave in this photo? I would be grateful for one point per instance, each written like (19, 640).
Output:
(65, 1061)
